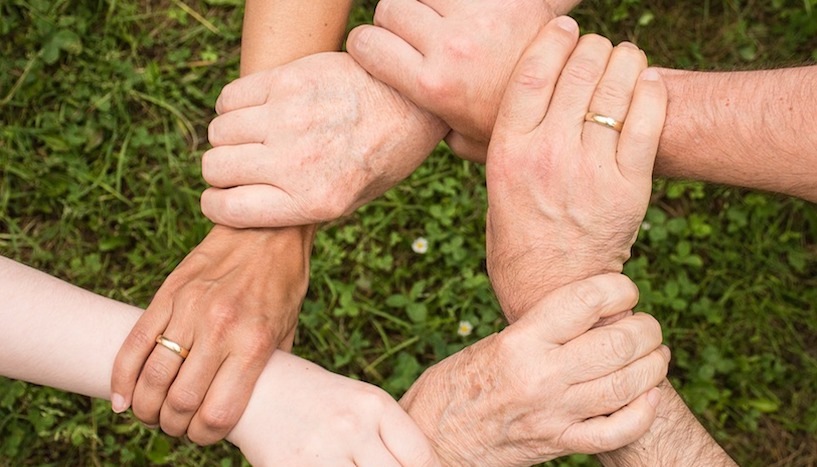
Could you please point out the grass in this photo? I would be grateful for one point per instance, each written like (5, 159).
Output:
(103, 113)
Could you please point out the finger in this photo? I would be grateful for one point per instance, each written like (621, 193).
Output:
(404, 439)
(577, 83)
(533, 80)
(388, 58)
(225, 401)
(612, 392)
(412, 21)
(375, 454)
(249, 91)
(467, 148)
(253, 206)
(569, 311)
(244, 164)
(242, 126)
(642, 130)
(158, 374)
(188, 390)
(606, 433)
(602, 351)
(612, 99)
(135, 351)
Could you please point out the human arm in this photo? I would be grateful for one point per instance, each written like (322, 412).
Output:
(676, 438)
(567, 196)
(547, 385)
(748, 129)
(236, 296)
(59, 335)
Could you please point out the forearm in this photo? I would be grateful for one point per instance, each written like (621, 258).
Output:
(275, 33)
(279, 31)
(676, 438)
(59, 335)
(749, 129)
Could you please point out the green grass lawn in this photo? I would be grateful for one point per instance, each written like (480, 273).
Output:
(104, 107)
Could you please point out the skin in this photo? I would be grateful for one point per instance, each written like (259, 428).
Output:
(236, 296)
(533, 195)
(298, 413)
(748, 129)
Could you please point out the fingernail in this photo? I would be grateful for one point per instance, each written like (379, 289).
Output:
(654, 396)
(650, 74)
(628, 45)
(567, 23)
(118, 403)
(667, 352)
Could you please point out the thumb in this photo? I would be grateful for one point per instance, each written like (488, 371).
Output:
(570, 311)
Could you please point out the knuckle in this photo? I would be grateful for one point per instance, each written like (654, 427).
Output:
(157, 374)
(612, 93)
(619, 344)
(589, 295)
(433, 85)
(142, 338)
(532, 74)
(218, 419)
(582, 70)
(223, 314)
(623, 386)
(183, 400)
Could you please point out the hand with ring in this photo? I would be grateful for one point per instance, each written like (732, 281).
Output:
(569, 167)
(190, 362)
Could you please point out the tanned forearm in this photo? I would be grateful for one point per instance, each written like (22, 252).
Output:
(749, 129)
(275, 33)
(279, 31)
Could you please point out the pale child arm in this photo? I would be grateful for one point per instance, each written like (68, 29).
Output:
(59, 335)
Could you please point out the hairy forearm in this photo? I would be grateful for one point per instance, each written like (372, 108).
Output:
(749, 129)
(676, 438)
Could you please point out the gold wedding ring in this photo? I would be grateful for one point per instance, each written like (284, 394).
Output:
(172, 346)
(609, 122)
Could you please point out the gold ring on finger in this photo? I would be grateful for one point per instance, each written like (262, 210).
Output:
(604, 120)
(172, 346)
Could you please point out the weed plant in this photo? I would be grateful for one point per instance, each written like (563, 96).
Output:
(104, 106)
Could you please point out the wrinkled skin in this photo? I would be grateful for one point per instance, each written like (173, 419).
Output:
(309, 142)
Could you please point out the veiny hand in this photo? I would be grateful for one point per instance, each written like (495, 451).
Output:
(566, 196)
(303, 415)
(452, 57)
(547, 385)
(231, 309)
(309, 142)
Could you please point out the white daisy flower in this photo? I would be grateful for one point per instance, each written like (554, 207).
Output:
(465, 328)
(420, 245)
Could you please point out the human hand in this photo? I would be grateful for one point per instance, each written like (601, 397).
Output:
(452, 58)
(566, 196)
(300, 414)
(309, 142)
(231, 302)
(547, 385)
